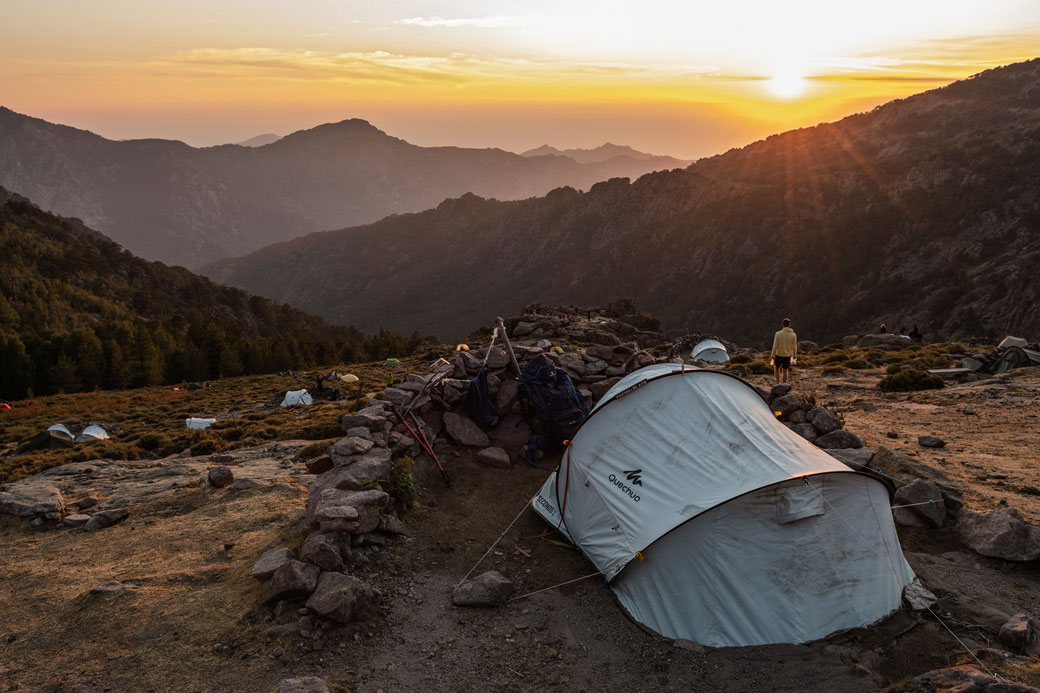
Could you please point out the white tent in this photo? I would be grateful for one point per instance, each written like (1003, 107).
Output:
(1010, 341)
(296, 397)
(715, 523)
(710, 350)
(92, 432)
(195, 422)
(61, 430)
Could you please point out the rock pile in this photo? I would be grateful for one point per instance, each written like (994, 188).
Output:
(613, 325)
(816, 424)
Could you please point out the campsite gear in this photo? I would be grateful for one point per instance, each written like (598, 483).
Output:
(509, 347)
(1015, 357)
(194, 422)
(478, 404)
(92, 432)
(462, 347)
(1010, 341)
(543, 344)
(5, 406)
(751, 534)
(62, 429)
(349, 378)
(430, 382)
(547, 394)
(420, 438)
(556, 350)
(391, 362)
(48, 440)
(710, 350)
(293, 397)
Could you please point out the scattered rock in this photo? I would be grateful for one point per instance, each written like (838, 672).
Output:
(462, 430)
(245, 485)
(930, 442)
(111, 587)
(805, 430)
(857, 458)
(76, 520)
(917, 598)
(87, 502)
(779, 390)
(824, 421)
(344, 598)
(310, 684)
(291, 580)
(839, 439)
(920, 491)
(487, 589)
(105, 518)
(786, 404)
(999, 534)
(31, 501)
(391, 525)
(494, 457)
(371, 418)
(221, 476)
(892, 434)
(903, 470)
(271, 561)
(351, 445)
(966, 678)
(1020, 634)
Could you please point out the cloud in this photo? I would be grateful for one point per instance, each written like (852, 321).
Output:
(494, 22)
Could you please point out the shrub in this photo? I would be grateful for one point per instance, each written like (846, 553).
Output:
(207, 446)
(317, 449)
(739, 369)
(150, 441)
(740, 358)
(760, 368)
(402, 481)
(833, 370)
(836, 357)
(857, 364)
(910, 380)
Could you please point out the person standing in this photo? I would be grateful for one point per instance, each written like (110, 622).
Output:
(785, 352)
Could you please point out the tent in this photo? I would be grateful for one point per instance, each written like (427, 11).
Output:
(296, 397)
(1015, 357)
(92, 432)
(713, 522)
(1010, 341)
(710, 350)
(55, 437)
(61, 429)
(349, 378)
(194, 422)
(391, 362)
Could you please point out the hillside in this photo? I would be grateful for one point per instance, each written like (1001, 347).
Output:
(78, 312)
(606, 152)
(164, 200)
(923, 210)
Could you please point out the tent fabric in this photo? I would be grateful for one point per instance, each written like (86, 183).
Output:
(349, 378)
(92, 432)
(195, 422)
(48, 440)
(1010, 341)
(710, 350)
(61, 429)
(684, 465)
(296, 397)
(1015, 357)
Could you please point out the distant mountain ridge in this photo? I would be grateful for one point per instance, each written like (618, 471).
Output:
(260, 140)
(606, 152)
(165, 200)
(923, 210)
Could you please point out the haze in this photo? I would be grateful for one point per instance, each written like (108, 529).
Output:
(679, 78)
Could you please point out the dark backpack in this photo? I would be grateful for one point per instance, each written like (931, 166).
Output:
(547, 394)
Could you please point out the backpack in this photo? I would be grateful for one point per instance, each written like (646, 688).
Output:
(547, 394)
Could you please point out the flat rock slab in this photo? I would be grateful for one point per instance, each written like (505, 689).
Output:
(271, 561)
(76, 520)
(31, 499)
(494, 457)
(462, 430)
(105, 518)
(487, 589)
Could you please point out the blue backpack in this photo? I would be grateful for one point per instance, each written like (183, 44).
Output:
(548, 395)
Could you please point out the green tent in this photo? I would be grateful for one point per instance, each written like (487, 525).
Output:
(1015, 357)
(391, 362)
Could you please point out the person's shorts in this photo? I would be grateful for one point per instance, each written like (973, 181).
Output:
(782, 361)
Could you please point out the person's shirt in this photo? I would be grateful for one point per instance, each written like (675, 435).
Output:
(785, 343)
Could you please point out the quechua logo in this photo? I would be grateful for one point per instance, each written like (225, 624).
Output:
(633, 477)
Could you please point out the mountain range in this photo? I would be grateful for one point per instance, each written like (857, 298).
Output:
(925, 209)
(606, 152)
(164, 200)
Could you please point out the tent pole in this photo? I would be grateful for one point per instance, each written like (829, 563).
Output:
(509, 347)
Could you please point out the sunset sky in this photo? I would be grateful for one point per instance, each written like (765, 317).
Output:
(682, 78)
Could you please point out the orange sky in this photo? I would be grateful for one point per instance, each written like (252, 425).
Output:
(682, 78)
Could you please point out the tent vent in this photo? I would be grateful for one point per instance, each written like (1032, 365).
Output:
(797, 500)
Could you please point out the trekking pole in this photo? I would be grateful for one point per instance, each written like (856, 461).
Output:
(509, 347)
(423, 443)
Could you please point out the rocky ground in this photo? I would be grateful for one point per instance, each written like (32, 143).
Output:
(162, 599)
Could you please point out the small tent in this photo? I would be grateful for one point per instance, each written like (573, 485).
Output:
(61, 429)
(296, 397)
(1010, 341)
(92, 432)
(349, 378)
(195, 422)
(714, 522)
(710, 350)
(1015, 357)
(51, 439)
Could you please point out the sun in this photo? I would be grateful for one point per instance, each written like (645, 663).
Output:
(787, 83)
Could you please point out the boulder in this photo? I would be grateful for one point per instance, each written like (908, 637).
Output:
(76, 520)
(344, 598)
(512, 432)
(360, 432)
(573, 364)
(779, 390)
(339, 478)
(246, 485)
(970, 363)
(930, 442)
(507, 391)
(309, 684)
(823, 420)
(839, 439)
(497, 358)
(221, 476)
(398, 396)
(857, 458)
(917, 598)
(328, 551)
(31, 501)
(351, 445)
(494, 457)
(462, 430)
(271, 561)
(798, 416)
(805, 430)
(487, 589)
(291, 580)
(999, 534)
(319, 465)
(1020, 634)
(882, 340)
(926, 505)
(105, 518)
(371, 418)
(356, 512)
(903, 469)
(595, 367)
(86, 502)
(601, 388)
(365, 468)
(785, 404)
(389, 524)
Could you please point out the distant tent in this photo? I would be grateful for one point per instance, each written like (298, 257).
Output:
(391, 362)
(710, 350)
(62, 429)
(5, 406)
(194, 422)
(1015, 357)
(1010, 341)
(296, 397)
(49, 440)
(92, 432)
(349, 378)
